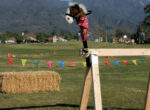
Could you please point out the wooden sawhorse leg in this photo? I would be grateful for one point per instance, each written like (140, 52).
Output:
(86, 89)
(92, 75)
(96, 82)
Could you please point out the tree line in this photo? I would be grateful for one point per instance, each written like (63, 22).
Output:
(142, 34)
(40, 37)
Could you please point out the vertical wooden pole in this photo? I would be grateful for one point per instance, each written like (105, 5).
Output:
(86, 89)
(87, 79)
(96, 82)
(147, 105)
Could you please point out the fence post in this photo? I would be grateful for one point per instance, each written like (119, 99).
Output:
(96, 82)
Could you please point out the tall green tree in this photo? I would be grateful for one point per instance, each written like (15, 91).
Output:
(3, 37)
(41, 37)
(19, 38)
(119, 33)
(147, 18)
(143, 29)
(54, 32)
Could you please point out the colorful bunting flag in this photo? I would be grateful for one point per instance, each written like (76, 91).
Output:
(73, 64)
(10, 60)
(106, 63)
(46, 53)
(49, 64)
(116, 63)
(41, 54)
(126, 62)
(142, 61)
(13, 56)
(36, 62)
(61, 64)
(54, 52)
(107, 57)
(134, 61)
(84, 64)
(23, 62)
(8, 55)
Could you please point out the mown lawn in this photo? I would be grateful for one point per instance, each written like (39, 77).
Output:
(123, 87)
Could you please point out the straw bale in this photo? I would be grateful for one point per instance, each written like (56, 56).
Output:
(28, 82)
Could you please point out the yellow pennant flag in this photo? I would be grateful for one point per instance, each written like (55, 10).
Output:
(84, 64)
(23, 62)
(134, 61)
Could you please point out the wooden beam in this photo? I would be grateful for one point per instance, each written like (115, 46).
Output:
(86, 89)
(96, 83)
(121, 52)
(147, 105)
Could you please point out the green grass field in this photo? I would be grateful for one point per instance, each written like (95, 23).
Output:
(123, 87)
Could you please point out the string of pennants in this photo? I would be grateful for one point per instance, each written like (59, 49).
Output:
(73, 64)
(117, 63)
(37, 62)
(30, 55)
(126, 62)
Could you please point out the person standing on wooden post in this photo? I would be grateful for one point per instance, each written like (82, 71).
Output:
(79, 12)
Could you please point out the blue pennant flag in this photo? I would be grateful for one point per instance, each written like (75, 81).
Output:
(61, 64)
(46, 53)
(116, 63)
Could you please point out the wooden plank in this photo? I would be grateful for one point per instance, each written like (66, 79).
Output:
(86, 89)
(147, 106)
(96, 83)
(121, 52)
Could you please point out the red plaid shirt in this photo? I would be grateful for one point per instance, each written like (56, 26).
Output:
(83, 22)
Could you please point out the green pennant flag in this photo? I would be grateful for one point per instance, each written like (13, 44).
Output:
(142, 61)
(36, 62)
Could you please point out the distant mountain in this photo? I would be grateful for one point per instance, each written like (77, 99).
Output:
(47, 15)
(112, 14)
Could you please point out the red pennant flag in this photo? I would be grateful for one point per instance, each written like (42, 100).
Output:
(54, 52)
(106, 63)
(108, 57)
(73, 64)
(49, 64)
(10, 60)
(8, 55)
(41, 54)
(126, 62)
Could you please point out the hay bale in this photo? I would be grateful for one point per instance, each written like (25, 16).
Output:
(28, 82)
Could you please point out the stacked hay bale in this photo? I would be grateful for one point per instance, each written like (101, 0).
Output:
(28, 82)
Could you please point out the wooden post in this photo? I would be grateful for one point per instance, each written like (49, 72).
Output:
(86, 89)
(87, 79)
(96, 82)
(147, 105)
